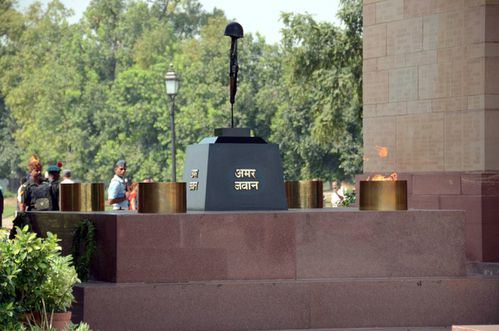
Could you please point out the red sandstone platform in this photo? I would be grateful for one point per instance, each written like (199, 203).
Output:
(295, 269)
(301, 244)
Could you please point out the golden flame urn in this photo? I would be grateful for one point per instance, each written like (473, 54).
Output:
(70, 197)
(292, 193)
(304, 194)
(162, 197)
(92, 197)
(82, 197)
(383, 195)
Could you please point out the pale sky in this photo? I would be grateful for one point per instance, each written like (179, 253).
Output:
(254, 15)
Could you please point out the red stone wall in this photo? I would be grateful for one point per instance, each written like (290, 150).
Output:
(431, 96)
(430, 87)
(475, 193)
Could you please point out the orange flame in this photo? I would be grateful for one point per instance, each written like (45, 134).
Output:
(393, 176)
(382, 151)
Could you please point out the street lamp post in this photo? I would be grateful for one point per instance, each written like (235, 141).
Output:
(172, 84)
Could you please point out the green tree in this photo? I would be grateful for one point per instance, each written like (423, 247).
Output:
(319, 122)
(9, 151)
(204, 98)
(92, 92)
(33, 82)
(133, 121)
(11, 27)
(135, 126)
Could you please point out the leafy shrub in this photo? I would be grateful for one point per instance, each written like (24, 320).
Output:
(34, 277)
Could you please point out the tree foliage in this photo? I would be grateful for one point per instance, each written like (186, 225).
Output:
(323, 79)
(91, 92)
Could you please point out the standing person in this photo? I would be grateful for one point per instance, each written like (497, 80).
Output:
(66, 177)
(132, 198)
(337, 195)
(54, 175)
(20, 191)
(117, 193)
(36, 193)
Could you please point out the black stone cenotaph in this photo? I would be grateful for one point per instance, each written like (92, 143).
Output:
(233, 170)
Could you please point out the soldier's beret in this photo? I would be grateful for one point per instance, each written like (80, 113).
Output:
(53, 168)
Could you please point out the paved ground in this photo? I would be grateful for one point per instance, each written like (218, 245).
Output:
(379, 329)
(7, 222)
(9, 207)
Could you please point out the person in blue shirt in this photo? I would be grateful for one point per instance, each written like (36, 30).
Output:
(117, 193)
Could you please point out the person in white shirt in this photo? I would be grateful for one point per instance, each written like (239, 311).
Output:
(337, 195)
(66, 177)
(20, 192)
(117, 193)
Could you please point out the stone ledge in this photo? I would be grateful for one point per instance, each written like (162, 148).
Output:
(294, 244)
(281, 304)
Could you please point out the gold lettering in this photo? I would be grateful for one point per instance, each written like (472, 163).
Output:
(194, 173)
(193, 186)
(245, 173)
(246, 185)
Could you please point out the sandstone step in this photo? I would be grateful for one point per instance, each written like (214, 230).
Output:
(402, 302)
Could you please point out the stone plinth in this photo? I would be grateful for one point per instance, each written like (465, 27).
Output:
(234, 173)
(302, 244)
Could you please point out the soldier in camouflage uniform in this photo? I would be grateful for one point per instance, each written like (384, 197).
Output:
(36, 194)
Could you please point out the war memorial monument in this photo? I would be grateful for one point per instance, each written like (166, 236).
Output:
(239, 259)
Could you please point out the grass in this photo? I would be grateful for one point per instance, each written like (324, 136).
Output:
(9, 206)
(9, 209)
(9, 203)
(8, 194)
